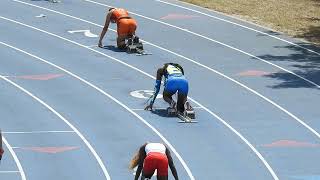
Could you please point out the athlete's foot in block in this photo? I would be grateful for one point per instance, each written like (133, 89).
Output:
(187, 106)
(171, 111)
(189, 112)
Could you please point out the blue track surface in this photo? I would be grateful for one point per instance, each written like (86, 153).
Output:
(67, 113)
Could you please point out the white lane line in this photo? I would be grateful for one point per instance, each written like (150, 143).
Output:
(16, 147)
(234, 23)
(115, 100)
(91, 46)
(16, 159)
(86, 33)
(67, 122)
(218, 42)
(36, 132)
(132, 67)
(4, 76)
(9, 172)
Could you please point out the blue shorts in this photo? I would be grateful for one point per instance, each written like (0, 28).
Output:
(177, 83)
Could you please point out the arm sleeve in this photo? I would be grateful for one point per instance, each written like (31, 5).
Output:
(157, 85)
(156, 91)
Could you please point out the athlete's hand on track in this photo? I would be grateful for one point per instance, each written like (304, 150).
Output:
(148, 107)
(100, 45)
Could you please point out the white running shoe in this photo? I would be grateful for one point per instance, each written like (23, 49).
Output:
(173, 105)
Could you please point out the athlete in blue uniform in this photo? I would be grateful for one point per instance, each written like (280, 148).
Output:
(175, 81)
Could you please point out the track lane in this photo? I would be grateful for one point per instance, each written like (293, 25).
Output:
(186, 143)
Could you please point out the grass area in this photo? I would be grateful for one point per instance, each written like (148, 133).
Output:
(297, 18)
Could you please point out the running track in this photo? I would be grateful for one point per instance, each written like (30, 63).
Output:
(67, 113)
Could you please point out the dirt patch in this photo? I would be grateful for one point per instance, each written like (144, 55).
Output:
(297, 18)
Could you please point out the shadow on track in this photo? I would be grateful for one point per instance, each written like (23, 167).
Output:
(113, 48)
(304, 63)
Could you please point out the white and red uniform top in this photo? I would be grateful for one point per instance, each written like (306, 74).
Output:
(156, 159)
(155, 147)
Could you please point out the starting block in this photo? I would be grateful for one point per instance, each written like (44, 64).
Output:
(135, 46)
(187, 116)
(171, 111)
(185, 119)
(189, 111)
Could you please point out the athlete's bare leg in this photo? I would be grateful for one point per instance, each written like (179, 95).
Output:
(167, 96)
(162, 177)
(182, 98)
(145, 176)
(121, 43)
(121, 40)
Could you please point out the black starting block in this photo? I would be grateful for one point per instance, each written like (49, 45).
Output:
(171, 112)
(134, 46)
(189, 111)
(187, 116)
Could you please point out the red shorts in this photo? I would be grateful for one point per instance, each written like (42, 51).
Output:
(156, 161)
(126, 27)
(1, 151)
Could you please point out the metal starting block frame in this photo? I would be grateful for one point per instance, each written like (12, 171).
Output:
(186, 117)
(135, 46)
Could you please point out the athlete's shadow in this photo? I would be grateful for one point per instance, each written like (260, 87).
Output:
(161, 112)
(113, 48)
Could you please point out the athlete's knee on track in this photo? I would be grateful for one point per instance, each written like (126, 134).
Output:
(121, 44)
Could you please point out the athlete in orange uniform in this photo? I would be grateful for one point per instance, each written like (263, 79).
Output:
(151, 157)
(126, 26)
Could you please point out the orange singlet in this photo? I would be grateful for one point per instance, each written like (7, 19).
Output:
(125, 24)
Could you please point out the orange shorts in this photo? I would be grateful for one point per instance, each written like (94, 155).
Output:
(155, 161)
(126, 27)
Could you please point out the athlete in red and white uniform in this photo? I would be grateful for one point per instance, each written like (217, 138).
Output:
(151, 157)
(126, 26)
(1, 149)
